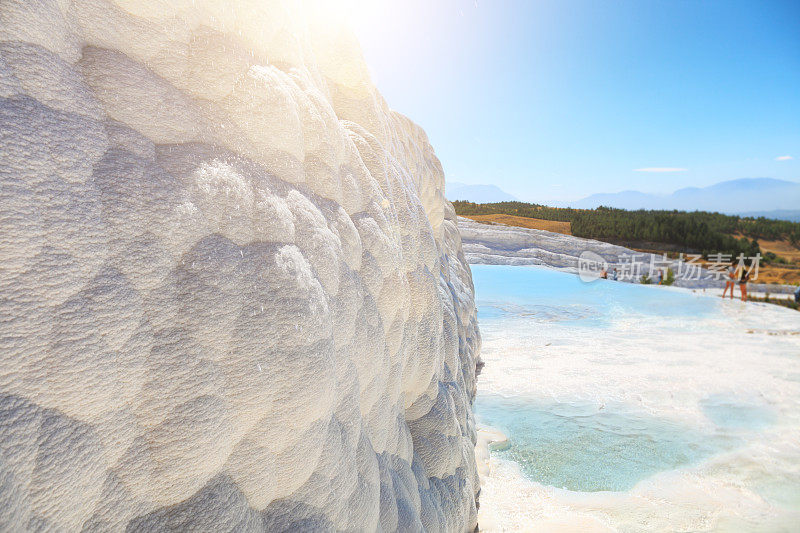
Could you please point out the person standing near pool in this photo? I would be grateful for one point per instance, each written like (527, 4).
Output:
(729, 284)
(742, 276)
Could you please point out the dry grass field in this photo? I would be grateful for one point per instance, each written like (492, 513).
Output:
(524, 222)
(781, 248)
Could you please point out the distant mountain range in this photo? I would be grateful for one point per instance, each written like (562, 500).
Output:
(766, 197)
(480, 194)
(752, 197)
(779, 214)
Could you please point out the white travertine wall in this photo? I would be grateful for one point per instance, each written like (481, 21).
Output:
(233, 294)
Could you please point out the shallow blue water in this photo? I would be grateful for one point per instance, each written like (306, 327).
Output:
(601, 387)
(583, 448)
(547, 295)
(733, 414)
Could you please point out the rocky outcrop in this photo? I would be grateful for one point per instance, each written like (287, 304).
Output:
(234, 295)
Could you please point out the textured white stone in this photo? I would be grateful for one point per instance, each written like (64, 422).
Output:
(233, 294)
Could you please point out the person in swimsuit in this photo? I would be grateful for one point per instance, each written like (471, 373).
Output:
(729, 284)
(742, 277)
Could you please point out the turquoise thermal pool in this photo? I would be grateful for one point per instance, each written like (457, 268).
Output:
(632, 407)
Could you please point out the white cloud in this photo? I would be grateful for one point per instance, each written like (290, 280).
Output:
(660, 169)
(784, 158)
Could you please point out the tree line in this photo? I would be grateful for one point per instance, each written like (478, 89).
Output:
(692, 232)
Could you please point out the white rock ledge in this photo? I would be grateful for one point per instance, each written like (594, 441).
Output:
(498, 244)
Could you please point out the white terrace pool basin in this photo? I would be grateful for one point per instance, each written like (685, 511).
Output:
(635, 408)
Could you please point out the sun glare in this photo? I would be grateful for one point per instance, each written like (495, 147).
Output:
(358, 14)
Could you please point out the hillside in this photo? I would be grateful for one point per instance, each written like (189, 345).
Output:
(669, 232)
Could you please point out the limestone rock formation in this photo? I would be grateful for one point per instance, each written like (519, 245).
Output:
(233, 294)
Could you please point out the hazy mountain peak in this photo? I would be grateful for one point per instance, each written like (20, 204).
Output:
(747, 195)
(481, 193)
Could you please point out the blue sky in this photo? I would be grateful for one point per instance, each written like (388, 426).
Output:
(554, 100)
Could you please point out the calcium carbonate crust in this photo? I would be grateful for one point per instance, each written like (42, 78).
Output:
(233, 294)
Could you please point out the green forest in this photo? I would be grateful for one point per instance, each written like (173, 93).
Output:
(691, 232)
